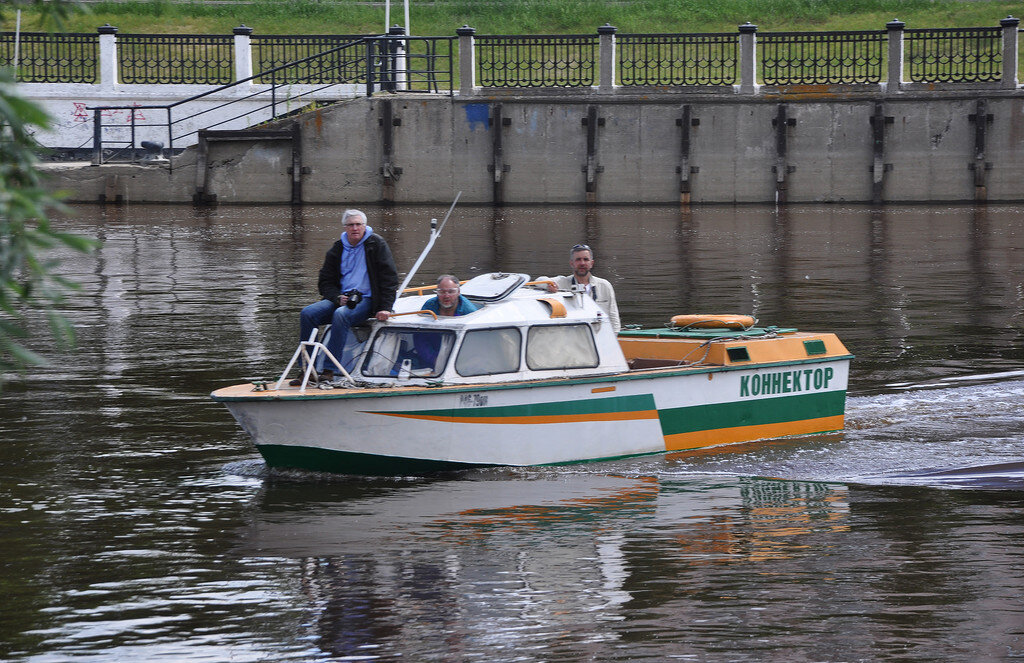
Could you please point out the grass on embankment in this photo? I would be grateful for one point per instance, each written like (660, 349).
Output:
(442, 17)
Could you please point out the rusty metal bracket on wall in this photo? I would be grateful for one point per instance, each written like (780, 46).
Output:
(981, 118)
(591, 168)
(390, 172)
(684, 169)
(781, 169)
(498, 167)
(878, 167)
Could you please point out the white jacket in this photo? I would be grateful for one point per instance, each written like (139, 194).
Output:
(603, 293)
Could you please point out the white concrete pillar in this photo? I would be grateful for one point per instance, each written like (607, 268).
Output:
(243, 52)
(1010, 46)
(467, 61)
(894, 35)
(606, 46)
(399, 70)
(108, 55)
(748, 58)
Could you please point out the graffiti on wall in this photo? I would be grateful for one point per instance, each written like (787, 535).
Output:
(81, 113)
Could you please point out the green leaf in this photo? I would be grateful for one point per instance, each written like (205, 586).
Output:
(62, 329)
(29, 272)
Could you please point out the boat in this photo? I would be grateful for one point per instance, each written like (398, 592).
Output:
(537, 378)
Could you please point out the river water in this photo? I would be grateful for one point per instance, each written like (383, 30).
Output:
(137, 522)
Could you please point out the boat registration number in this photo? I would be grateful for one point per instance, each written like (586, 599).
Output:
(472, 400)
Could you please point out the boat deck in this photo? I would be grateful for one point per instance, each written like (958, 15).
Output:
(654, 348)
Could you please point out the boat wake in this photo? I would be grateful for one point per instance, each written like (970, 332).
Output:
(966, 434)
(1001, 476)
(958, 379)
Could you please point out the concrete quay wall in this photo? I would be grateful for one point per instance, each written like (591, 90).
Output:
(812, 144)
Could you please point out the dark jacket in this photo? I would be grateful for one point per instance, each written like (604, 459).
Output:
(379, 265)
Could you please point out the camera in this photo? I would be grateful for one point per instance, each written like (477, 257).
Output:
(354, 297)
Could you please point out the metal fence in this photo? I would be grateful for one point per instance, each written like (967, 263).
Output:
(162, 59)
(677, 59)
(412, 64)
(958, 55)
(822, 58)
(954, 55)
(271, 51)
(51, 58)
(536, 61)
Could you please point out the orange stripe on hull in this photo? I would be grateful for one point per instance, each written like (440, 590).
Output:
(708, 438)
(545, 419)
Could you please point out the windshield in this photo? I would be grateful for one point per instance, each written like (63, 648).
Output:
(420, 352)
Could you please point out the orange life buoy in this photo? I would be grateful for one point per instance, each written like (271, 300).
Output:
(695, 321)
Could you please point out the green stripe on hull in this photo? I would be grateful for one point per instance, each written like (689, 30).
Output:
(751, 412)
(642, 402)
(347, 462)
(285, 456)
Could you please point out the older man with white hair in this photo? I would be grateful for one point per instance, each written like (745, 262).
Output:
(358, 279)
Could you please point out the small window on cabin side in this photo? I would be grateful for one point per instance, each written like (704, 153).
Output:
(489, 351)
(423, 351)
(561, 346)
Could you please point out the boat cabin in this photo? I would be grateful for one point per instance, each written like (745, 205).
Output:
(519, 331)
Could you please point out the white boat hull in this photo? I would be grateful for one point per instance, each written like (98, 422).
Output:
(408, 430)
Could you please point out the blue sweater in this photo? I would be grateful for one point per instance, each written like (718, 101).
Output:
(465, 306)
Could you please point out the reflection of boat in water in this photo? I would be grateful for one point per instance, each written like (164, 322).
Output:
(534, 378)
(385, 564)
(503, 562)
(718, 518)
(366, 517)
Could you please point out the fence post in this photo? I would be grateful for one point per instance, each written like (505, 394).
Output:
(606, 42)
(97, 137)
(243, 52)
(397, 68)
(748, 58)
(371, 46)
(108, 55)
(894, 34)
(467, 60)
(1010, 45)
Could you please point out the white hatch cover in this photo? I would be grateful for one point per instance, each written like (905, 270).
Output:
(493, 287)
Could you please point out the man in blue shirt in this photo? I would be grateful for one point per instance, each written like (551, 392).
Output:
(449, 300)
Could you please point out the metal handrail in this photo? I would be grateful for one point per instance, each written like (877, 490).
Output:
(168, 108)
(310, 359)
(384, 47)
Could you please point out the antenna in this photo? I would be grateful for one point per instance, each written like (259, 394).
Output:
(435, 232)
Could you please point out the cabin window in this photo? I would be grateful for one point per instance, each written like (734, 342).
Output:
(561, 346)
(738, 353)
(422, 352)
(489, 351)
